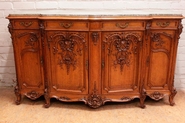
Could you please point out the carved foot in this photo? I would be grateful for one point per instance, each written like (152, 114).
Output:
(171, 97)
(18, 100)
(47, 105)
(47, 99)
(142, 98)
(18, 96)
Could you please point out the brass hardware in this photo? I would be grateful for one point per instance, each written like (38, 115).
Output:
(66, 25)
(163, 24)
(26, 24)
(122, 26)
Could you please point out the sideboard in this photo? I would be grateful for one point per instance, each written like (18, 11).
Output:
(93, 58)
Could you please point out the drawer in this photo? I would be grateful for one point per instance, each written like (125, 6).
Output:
(164, 24)
(123, 25)
(67, 25)
(25, 24)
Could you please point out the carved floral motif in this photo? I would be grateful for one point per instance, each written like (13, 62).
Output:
(121, 46)
(31, 40)
(10, 28)
(68, 46)
(156, 38)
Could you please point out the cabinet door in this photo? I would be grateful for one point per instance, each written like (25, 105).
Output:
(160, 48)
(28, 58)
(121, 61)
(68, 52)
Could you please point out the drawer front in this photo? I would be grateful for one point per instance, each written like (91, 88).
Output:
(25, 24)
(164, 24)
(123, 25)
(67, 25)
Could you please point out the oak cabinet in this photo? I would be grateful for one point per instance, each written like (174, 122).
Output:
(95, 59)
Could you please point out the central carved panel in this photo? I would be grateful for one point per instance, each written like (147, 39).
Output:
(68, 46)
(121, 46)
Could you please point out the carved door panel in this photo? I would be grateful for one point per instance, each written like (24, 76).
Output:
(121, 61)
(28, 54)
(159, 61)
(68, 53)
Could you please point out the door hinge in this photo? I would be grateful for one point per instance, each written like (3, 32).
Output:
(41, 60)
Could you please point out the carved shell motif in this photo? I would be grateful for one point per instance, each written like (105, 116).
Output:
(156, 95)
(33, 95)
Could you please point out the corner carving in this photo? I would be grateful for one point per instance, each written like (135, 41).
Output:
(180, 27)
(10, 29)
(31, 40)
(157, 39)
(159, 43)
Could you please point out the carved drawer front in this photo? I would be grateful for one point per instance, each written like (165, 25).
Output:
(123, 25)
(162, 24)
(25, 24)
(67, 25)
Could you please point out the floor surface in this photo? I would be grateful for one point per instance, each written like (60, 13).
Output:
(59, 112)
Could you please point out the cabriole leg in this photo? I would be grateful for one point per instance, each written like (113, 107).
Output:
(47, 99)
(171, 97)
(142, 98)
(18, 95)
